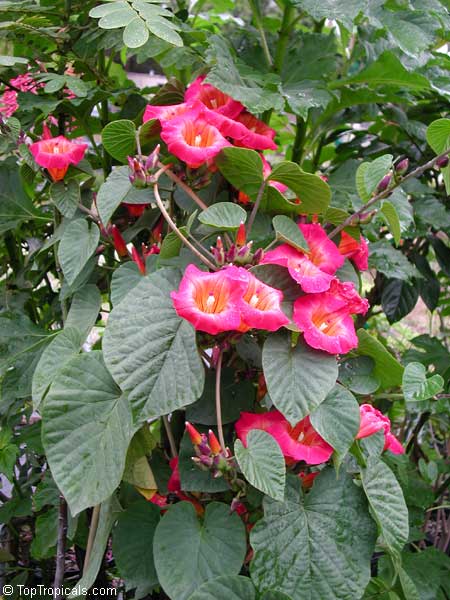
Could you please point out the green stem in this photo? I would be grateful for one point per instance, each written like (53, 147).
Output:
(254, 5)
(283, 38)
(255, 207)
(300, 135)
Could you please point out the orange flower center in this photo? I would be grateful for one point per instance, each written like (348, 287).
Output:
(211, 297)
(213, 98)
(258, 296)
(328, 322)
(198, 134)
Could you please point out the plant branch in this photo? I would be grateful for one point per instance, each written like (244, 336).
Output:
(60, 550)
(283, 39)
(171, 175)
(255, 207)
(218, 402)
(259, 24)
(91, 537)
(175, 229)
(173, 446)
(300, 135)
(382, 195)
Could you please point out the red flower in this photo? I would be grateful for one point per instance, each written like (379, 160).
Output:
(119, 243)
(372, 420)
(307, 479)
(301, 442)
(356, 251)
(212, 98)
(325, 318)
(135, 210)
(259, 136)
(56, 154)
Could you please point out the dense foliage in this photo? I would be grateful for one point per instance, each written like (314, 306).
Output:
(208, 386)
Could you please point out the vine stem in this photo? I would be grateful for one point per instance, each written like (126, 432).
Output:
(173, 446)
(91, 537)
(171, 175)
(255, 207)
(382, 195)
(218, 402)
(257, 16)
(60, 550)
(175, 229)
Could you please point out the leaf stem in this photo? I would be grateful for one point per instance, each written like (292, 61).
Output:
(415, 173)
(283, 39)
(173, 446)
(60, 550)
(175, 229)
(218, 402)
(254, 5)
(255, 207)
(91, 537)
(171, 175)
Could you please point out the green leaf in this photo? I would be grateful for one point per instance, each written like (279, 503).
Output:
(298, 379)
(164, 29)
(8, 457)
(334, 9)
(314, 193)
(45, 535)
(84, 309)
(117, 18)
(10, 61)
(231, 587)
(392, 219)
(242, 168)
(104, 9)
(391, 262)
(133, 546)
(287, 231)
(315, 546)
(109, 511)
(416, 385)
(66, 196)
(387, 368)
(357, 374)
(135, 33)
(150, 351)
(386, 500)
(116, 189)
(223, 215)
(119, 139)
(86, 431)
(189, 552)
(438, 136)
(55, 84)
(137, 469)
(124, 279)
(337, 420)
(78, 244)
(349, 273)
(57, 354)
(398, 298)
(262, 463)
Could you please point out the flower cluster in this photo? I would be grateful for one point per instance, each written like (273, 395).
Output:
(323, 312)
(196, 130)
(21, 83)
(231, 299)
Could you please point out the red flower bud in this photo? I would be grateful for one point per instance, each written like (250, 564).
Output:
(402, 166)
(214, 443)
(442, 162)
(240, 235)
(119, 242)
(384, 183)
(135, 210)
(195, 436)
(138, 260)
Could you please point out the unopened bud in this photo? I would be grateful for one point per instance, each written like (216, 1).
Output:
(365, 218)
(119, 242)
(442, 162)
(135, 210)
(215, 356)
(219, 252)
(258, 256)
(240, 235)
(136, 172)
(138, 260)
(232, 253)
(402, 166)
(384, 183)
(153, 158)
(195, 435)
(214, 443)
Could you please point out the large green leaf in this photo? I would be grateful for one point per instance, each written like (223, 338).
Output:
(416, 386)
(189, 552)
(298, 379)
(57, 354)
(125, 278)
(398, 298)
(438, 136)
(223, 215)
(118, 188)
(66, 196)
(387, 368)
(288, 231)
(314, 193)
(369, 175)
(229, 587)
(242, 168)
(316, 546)
(334, 9)
(150, 351)
(133, 546)
(78, 244)
(391, 262)
(86, 431)
(84, 309)
(337, 420)
(386, 500)
(391, 215)
(119, 139)
(357, 374)
(262, 463)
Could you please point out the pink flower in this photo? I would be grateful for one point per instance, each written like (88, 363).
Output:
(56, 154)
(259, 136)
(358, 252)
(301, 442)
(325, 318)
(212, 98)
(260, 307)
(372, 420)
(192, 139)
(8, 101)
(212, 302)
(313, 270)
(165, 113)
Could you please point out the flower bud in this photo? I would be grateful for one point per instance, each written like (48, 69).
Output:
(195, 435)
(138, 260)
(442, 162)
(136, 172)
(231, 255)
(402, 166)
(384, 183)
(119, 242)
(153, 158)
(219, 252)
(135, 210)
(214, 443)
(258, 256)
(240, 235)
(238, 507)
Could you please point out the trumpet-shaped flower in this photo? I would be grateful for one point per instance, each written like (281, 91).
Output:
(212, 98)
(192, 139)
(166, 112)
(301, 442)
(212, 302)
(325, 318)
(56, 154)
(313, 270)
(372, 420)
(260, 307)
(259, 136)
(356, 251)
